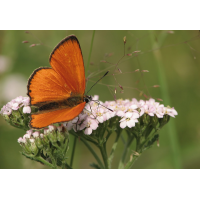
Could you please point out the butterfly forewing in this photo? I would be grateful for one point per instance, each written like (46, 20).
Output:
(45, 85)
(67, 60)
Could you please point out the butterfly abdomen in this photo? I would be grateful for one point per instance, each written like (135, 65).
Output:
(66, 103)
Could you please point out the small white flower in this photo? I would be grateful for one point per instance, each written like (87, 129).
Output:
(21, 140)
(27, 136)
(59, 128)
(29, 132)
(52, 127)
(26, 101)
(68, 125)
(100, 116)
(129, 120)
(26, 109)
(15, 106)
(170, 111)
(18, 99)
(36, 134)
(90, 124)
(46, 130)
(160, 111)
(32, 140)
(6, 110)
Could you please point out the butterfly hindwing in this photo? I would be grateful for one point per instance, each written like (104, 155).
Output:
(44, 119)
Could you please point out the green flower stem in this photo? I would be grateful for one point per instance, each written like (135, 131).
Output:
(56, 145)
(65, 149)
(141, 146)
(104, 154)
(165, 95)
(123, 140)
(138, 145)
(65, 166)
(39, 159)
(132, 160)
(66, 146)
(86, 137)
(73, 151)
(108, 135)
(93, 152)
(42, 160)
(128, 143)
(88, 63)
(49, 152)
(83, 138)
(113, 150)
(102, 131)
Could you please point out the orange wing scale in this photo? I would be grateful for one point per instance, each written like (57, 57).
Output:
(67, 61)
(46, 85)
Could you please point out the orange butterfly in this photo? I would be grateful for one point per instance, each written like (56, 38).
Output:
(58, 92)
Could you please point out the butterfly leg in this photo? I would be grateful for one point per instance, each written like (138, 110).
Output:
(95, 117)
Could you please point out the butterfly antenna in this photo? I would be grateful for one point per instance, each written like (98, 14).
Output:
(97, 81)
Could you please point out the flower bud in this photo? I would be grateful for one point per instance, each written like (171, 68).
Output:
(51, 133)
(33, 147)
(164, 120)
(137, 126)
(146, 119)
(44, 138)
(27, 145)
(60, 134)
(13, 112)
(38, 140)
(26, 148)
(154, 121)
(6, 117)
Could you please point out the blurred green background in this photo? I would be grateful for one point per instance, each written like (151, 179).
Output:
(177, 52)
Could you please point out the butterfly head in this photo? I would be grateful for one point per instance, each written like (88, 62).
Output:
(87, 98)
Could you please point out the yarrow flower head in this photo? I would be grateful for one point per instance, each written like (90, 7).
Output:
(127, 112)
(95, 112)
(15, 104)
(141, 120)
(16, 112)
(129, 120)
(89, 124)
(34, 143)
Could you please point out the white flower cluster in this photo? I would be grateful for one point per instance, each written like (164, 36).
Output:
(96, 112)
(32, 135)
(15, 104)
